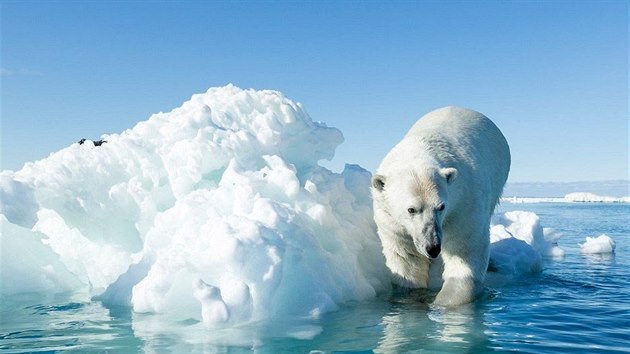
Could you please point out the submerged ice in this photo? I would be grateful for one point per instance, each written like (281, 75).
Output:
(217, 211)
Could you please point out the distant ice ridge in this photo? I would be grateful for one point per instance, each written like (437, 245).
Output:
(578, 197)
(216, 211)
(594, 198)
(616, 188)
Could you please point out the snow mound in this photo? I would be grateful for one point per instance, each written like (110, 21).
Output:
(602, 244)
(217, 211)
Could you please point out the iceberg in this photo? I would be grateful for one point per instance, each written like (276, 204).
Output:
(216, 211)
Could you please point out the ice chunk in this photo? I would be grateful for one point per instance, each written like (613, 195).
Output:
(518, 243)
(514, 256)
(525, 226)
(602, 244)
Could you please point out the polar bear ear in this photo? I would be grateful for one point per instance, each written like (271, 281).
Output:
(378, 182)
(449, 173)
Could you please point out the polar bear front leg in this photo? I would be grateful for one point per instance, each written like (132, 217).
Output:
(409, 270)
(463, 277)
(457, 291)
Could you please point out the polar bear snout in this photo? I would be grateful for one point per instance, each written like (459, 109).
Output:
(434, 246)
(429, 241)
(429, 248)
(434, 250)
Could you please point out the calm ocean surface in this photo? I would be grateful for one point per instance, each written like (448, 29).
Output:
(578, 304)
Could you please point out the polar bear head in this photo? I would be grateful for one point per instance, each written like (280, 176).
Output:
(417, 201)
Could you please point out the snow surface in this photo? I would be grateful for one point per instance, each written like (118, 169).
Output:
(216, 211)
(602, 244)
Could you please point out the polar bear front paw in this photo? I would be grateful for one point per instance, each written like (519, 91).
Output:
(457, 291)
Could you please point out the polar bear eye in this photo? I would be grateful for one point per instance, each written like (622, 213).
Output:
(441, 207)
(412, 211)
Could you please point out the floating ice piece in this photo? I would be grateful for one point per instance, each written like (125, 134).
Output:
(525, 226)
(602, 244)
(513, 257)
(518, 243)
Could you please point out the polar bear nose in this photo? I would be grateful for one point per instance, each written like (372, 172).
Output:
(434, 250)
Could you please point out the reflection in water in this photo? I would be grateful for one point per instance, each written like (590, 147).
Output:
(600, 258)
(59, 323)
(161, 334)
(416, 326)
(453, 325)
(402, 323)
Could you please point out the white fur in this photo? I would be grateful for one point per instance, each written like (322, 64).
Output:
(453, 157)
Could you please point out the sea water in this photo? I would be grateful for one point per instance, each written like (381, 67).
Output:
(578, 303)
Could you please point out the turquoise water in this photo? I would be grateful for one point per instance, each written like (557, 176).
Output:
(577, 304)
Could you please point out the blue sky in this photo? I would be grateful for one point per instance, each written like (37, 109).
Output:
(552, 75)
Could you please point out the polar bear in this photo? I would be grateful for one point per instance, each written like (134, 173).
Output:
(434, 194)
